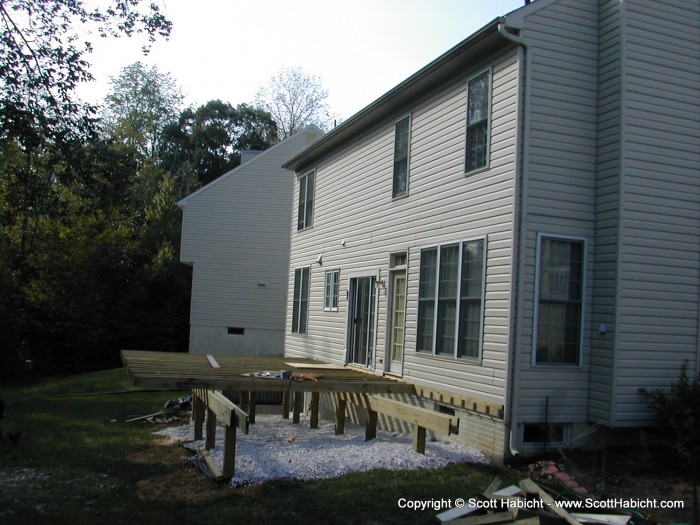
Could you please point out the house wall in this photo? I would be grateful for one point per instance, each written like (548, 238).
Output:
(611, 156)
(353, 203)
(235, 233)
(657, 326)
(559, 190)
(606, 256)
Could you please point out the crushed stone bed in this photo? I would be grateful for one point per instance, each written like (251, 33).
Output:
(276, 448)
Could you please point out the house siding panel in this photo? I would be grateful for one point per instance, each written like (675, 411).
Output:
(660, 239)
(240, 255)
(561, 142)
(605, 269)
(353, 204)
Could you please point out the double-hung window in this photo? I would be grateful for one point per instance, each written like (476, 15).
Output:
(401, 149)
(451, 299)
(300, 300)
(478, 116)
(330, 295)
(306, 201)
(560, 289)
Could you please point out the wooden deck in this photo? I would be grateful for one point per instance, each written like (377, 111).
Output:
(188, 371)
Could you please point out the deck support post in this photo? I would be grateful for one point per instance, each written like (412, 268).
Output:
(252, 402)
(340, 406)
(285, 404)
(419, 439)
(229, 451)
(315, 396)
(198, 414)
(298, 406)
(210, 441)
(371, 426)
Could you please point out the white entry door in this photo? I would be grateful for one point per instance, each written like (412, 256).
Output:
(398, 322)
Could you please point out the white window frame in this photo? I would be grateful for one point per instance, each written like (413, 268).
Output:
(536, 307)
(305, 217)
(331, 288)
(394, 193)
(489, 73)
(297, 299)
(438, 247)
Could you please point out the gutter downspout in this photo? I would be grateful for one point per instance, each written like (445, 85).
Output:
(519, 237)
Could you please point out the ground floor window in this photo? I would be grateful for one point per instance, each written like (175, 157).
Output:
(330, 294)
(559, 315)
(451, 298)
(300, 301)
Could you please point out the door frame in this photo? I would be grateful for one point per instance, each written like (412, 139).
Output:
(393, 274)
(372, 353)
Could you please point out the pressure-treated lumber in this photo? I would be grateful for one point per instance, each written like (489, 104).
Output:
(421, 418)
(530, 487)
(188, 371)
(470, 404)
(218, 408)
(211, 464)
(340, 408)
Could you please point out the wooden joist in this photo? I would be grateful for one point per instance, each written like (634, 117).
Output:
(188, 371)
(421, 418)
(218, 408)
(470, 404)
(530, 487)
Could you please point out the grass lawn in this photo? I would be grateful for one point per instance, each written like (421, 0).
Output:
(77, 462)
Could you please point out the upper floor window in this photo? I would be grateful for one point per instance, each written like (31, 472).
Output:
(330, 294)
(451, 298)
(478, 114)
(559, 301)
(401, 147)
(300, 300)
(306, 201)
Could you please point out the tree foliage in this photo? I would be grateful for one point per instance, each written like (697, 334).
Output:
(92, 268)
(295, 99)
(141, 103)
(207, 142)
(43, 57)
(678, 415)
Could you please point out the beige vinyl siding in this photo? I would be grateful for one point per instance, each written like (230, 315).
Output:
(605, 269)
(354, 204)
(561, 141)
(660, 231)
(235, 233)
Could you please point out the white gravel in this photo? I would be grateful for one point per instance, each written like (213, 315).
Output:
(276, 448)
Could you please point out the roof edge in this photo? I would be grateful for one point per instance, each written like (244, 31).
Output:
(404, 91)
(182, 203)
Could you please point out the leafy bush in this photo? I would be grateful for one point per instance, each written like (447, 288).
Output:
(678, 415)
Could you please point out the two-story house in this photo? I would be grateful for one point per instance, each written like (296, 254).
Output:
(235, 235)
(516, 227)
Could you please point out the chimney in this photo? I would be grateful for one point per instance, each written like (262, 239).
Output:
(249, 154)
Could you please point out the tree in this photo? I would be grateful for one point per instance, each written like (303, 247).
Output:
(141, 103)
(207, 142)
(43, 59)
(295, 99)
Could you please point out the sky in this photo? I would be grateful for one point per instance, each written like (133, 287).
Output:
(360, 49)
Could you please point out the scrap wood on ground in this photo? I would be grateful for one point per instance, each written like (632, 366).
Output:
(531, 503)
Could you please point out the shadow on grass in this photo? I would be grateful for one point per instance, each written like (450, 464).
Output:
(74, 464)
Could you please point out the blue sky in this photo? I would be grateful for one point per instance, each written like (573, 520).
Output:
(228, 49)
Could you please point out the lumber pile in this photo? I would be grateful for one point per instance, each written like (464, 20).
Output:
(525, 504)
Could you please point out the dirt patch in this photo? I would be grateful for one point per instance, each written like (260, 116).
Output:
(175, 478)
(629, 474)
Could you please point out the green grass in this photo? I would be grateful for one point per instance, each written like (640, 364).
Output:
(77, 462)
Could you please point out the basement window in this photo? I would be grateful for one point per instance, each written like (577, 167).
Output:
(444, 409)
(236, 331)
(543, 433)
